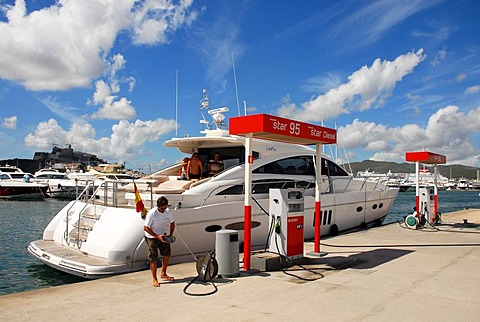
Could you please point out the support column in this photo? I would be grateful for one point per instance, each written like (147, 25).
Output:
(247, 227)
(417, 188)
(318, 202)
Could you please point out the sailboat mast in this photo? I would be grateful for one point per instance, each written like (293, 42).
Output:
(176, 104)
(235, 81)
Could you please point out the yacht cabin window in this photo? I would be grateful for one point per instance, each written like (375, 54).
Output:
(264, 186)
(331, 169)
(300, 165)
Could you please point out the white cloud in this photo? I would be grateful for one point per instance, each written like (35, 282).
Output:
(118, 62)
(10, 122)
(366, 88)
(115, 109)
(461, 77)
(442, 135)
(65, 45)
(50, 132)
(102, 91)
(472, 89)
(374, 20)
(126, 140)
(154, 20)
(112, 107)
(441, 55)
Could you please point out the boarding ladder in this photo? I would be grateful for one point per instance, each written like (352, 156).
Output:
(77, 233)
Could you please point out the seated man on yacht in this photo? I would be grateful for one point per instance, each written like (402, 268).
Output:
(216, 165)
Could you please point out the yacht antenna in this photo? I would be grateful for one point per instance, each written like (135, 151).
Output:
(245, 107)
(176, 104)
(236, 88)
(204, 105)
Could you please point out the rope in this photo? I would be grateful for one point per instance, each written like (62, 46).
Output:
(179, 235)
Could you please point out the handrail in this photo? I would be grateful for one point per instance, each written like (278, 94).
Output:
(83, 195)
(84, 191)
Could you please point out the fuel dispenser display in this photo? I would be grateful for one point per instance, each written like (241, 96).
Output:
(287, 220)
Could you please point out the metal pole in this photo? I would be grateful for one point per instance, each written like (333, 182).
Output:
(417, 188)
(435, 194)
(247, 228)
(318, 193)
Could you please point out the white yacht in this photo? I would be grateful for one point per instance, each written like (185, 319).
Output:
(16, 184)
(59, 184)
(463, 184)
(95, 238)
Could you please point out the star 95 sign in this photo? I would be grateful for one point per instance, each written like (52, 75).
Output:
(276, 128)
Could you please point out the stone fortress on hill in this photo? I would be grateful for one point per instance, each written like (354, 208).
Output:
(59, 158)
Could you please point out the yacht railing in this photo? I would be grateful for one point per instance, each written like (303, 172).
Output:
(83, 196)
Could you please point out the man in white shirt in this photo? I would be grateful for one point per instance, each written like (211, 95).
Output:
(155, 236)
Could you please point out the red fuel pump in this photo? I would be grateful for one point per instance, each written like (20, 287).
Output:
(287, 220)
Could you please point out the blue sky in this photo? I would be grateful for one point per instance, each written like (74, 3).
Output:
(392, 76)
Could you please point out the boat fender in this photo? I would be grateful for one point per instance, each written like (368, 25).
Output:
(411, 221)
(59, 186)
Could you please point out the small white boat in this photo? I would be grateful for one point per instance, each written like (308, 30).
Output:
(463, 184)
(59, 184)
(95, 238)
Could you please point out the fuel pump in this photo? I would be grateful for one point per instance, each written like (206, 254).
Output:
(426, 211)
(287, 220)
(427, 205)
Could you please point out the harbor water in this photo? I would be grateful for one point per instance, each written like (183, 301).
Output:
(24, 221)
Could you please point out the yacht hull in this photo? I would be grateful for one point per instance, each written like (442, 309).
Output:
(112, 239)
(22, 190)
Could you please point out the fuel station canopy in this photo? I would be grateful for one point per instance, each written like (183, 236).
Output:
(269, 127)
(425, 157)
(276, 128)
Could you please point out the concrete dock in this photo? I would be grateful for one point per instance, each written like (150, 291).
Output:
(389, 273)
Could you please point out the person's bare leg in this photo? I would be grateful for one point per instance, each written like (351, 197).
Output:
(153, 269)
(163, 274)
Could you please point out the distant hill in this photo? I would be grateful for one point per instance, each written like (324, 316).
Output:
(450, 171)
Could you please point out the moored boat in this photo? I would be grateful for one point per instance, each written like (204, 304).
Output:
(59, 184)
(95, 238)
(16, 184)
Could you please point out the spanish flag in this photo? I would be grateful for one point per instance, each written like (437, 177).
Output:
(140, 207)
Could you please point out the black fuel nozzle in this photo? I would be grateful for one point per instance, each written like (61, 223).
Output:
(277, 225)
